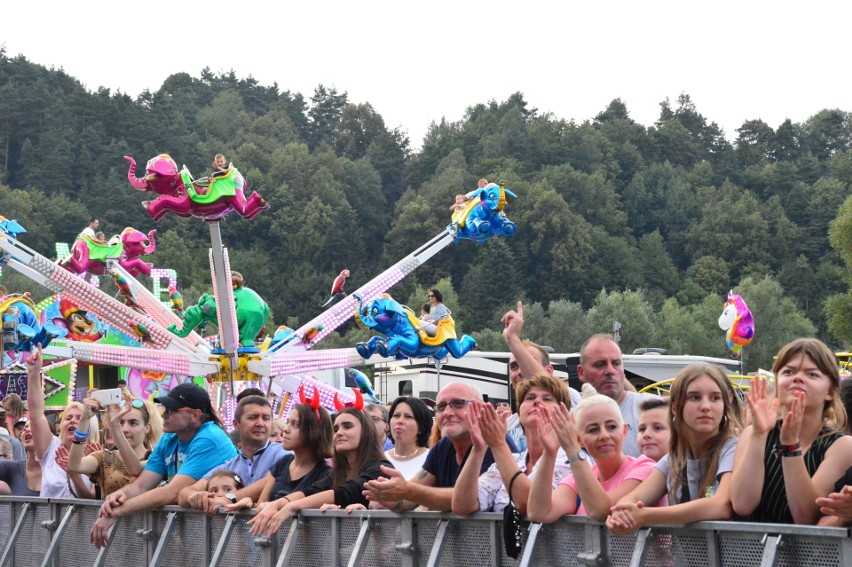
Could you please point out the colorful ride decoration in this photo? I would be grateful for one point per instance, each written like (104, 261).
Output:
(59, 380)
(185, 197)
(483, 217)
(252, 314)
(22, 327)
(89, 255)
(736, 319)
(79, 324)
(406, 337)
(363, 383)
(9, 229)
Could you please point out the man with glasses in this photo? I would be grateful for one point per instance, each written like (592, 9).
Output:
(381, 417)
(432, 487)
(193, 442)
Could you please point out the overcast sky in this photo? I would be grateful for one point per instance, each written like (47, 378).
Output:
(417, 62)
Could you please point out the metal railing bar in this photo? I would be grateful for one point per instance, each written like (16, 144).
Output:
(529, 547)
(438, 546)
(57, 535)
(640, 548)
(164, 537)
(9, 552)
(361, 542)
(290, 542)
(770, 550)
(223, 541)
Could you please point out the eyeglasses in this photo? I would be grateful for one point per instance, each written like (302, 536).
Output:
(430, 295)
(455, 404)
(378, 419)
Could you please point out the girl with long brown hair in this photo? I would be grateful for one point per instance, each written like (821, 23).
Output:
(696, 474)
(358, 457)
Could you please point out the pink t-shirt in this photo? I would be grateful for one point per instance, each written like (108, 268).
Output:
(633, 468)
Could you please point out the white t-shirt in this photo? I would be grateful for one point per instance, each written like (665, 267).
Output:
(54, 480)
(410, 467)
(88, 232)
(695, 468)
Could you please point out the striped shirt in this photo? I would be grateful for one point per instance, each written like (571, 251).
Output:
(773, 506)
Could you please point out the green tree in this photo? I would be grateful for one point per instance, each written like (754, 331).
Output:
(631, 310)
(838, 307)
(566, 326)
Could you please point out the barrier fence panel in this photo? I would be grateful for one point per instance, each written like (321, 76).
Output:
(56, 533)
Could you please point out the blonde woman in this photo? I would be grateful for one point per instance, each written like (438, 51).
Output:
(55, 481)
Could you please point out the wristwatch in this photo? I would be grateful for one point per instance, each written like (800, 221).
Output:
(581, 456)
(232, 497)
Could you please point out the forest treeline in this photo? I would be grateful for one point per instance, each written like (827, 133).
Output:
(649, 226)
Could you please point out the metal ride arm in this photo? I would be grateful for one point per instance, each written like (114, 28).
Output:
(341, 312)
(223, 290)
(156, 310)
(180, 363)
(57, 279)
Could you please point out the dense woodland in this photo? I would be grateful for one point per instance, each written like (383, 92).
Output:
(649, 226)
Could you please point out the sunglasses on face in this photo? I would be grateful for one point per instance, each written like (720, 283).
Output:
(455, 404)
(167, 412)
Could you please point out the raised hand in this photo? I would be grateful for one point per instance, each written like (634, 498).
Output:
(91, 407)
(764, 413)
(34, 362)
(491, 427)
(91, 447)
(513, 322)
(62, 455)
(564, 426)
(471, 422)
(792, 424)
(549, 439)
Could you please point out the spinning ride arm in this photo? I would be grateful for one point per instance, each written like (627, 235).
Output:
(156, 310)
(290, 356)
(59, 280)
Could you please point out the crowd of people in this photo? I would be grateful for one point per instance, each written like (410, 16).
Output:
(781, 454)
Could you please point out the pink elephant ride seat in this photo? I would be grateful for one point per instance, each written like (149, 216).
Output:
(209, 198)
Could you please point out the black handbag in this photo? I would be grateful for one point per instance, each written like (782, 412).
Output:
(512, 535)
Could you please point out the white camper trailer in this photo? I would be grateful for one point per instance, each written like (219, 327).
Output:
(489, 372)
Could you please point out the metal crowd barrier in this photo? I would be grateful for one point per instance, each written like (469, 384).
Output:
(56, 533)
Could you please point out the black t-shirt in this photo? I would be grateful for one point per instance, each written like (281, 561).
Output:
(351, 491)
(441, 462)
(284, 485)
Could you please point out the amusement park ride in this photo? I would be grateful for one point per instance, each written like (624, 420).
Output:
(168, 341)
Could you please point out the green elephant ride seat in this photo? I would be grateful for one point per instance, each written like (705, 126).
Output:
(102, 251)
(220, 186)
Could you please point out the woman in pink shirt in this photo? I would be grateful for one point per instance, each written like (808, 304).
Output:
(595, 429)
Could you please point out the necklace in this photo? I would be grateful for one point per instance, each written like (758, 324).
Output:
(403, 457)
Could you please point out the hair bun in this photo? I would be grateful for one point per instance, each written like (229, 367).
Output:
(587, 391)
